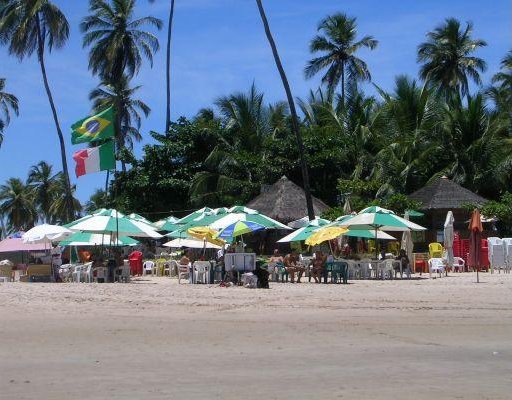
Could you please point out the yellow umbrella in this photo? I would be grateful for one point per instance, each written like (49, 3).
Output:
(323, 234)
(205, 233)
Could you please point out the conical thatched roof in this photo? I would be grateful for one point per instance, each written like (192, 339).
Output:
(284, 201)
(442, 193)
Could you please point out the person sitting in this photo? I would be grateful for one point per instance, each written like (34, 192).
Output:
(274, 262)
(185, 260)
(404, 262)
(318, 266)
(291, 263)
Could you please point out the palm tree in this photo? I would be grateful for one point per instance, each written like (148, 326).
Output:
(17, 204)
(42, 179)
(168, 68)
(60, 205)
(27, 26)
(117, 42)
(99, 199)
(293, 112)
(128, 110)
(8, 103)
(501, 93)
(338, 47)
(447, 58)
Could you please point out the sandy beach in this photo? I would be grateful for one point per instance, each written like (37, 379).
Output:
(446, 338)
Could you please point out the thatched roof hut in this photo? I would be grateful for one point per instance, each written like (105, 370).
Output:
(284, 201)
(444, 194)
(439, 197)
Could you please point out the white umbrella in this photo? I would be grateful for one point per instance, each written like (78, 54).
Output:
(45, 233)
(448, 238)
(9, 263)
(191, 243)
(407, 243)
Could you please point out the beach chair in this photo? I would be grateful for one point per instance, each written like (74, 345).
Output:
(148, 268)
(173, 268)
(385, 268)
(183, 272)
(507, 244)
(436, 266)
(496, 252)
(459, 265)
(87, 273)
(123, 274)
(435, 250)
(202, 271)
(100, 274)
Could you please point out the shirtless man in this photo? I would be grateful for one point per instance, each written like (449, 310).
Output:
(291, 263)
(318, 266)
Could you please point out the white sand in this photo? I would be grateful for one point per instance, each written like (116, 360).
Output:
(447, 338)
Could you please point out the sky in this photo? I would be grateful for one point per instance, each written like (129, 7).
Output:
(219, 47)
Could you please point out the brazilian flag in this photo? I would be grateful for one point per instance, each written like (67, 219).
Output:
(95, 127)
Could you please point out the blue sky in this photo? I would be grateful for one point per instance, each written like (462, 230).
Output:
(219, 47)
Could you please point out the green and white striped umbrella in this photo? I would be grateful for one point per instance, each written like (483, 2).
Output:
(140, 218)
(112, 221)
(97, 239)
(192, 216)
(167, 224)
(304, 232)
(377, 218)
(240, 213)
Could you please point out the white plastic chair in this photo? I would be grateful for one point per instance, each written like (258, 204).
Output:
(183, 272)
(202, 271)
(124, 276)
(87, 272)
(459, 264)
(77, 272)
(101, 273)
(384, 268)
(148, 268)
(507, 244)
(436, 266)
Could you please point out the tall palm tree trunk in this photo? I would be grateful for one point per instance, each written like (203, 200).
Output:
(168, 69)
(343, 84)
(293, 112)
(68, 194)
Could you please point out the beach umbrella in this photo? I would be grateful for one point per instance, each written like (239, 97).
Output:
(305, 222)
(407, 244)
(380, 219)
(112, 221)
(140, 218)
(449, 236)
(368, 234)
(79, 239)
(414, 213)
(45, 233)
(167, 224)
(304, 232)
(191, 243)
(239, 228)
(194, 215)
(8, 263)
(207, 234)
(475, 234)
(240, 213)
(324, 234)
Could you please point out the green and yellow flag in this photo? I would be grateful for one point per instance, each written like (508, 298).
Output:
(95, 127)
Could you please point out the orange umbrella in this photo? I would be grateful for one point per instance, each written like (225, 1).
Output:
(475, 234)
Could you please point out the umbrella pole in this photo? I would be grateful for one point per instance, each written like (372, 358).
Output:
(376, 245)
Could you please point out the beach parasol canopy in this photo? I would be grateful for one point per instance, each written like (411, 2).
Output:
(8, 263)
(45, 233)
(194, 215)
(167, 224)
(239, 228)
(380, 219)
(407, 244)
(206, 234)
(475, 234)
(305, 222)
(240, 213)
(112, 221)
(449, 235)
(191, 243)
(79, 239)
(140, 218)
(324, 234)
(304, 232)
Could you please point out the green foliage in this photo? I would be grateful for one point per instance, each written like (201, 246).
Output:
(502, 210)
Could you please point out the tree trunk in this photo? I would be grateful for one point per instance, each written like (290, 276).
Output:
(343, 85)
(168, 69)
(70, 215)
(293, 112)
